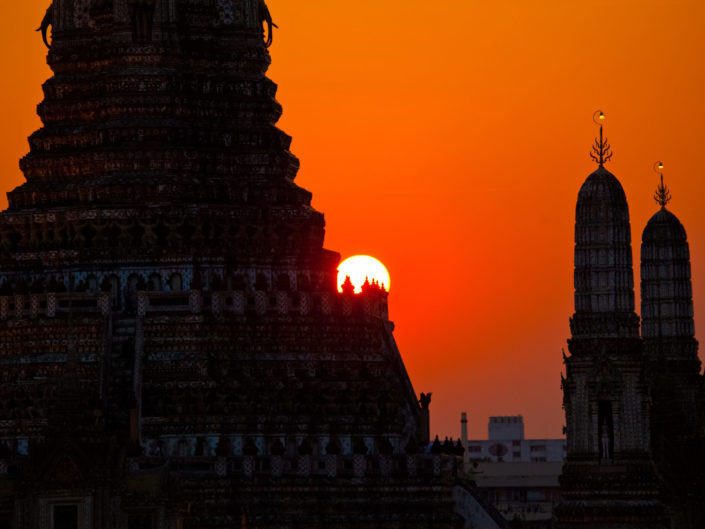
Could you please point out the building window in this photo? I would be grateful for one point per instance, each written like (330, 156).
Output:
(139, 521)
(538, 448)
(538, 459)
(475, 448)
(65, 517)
(516, 443)
(516, 455)
(535, 495)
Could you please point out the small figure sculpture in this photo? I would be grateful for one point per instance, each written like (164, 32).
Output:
(425, 400)
(605, 441)
(266, 17)
(47, 21)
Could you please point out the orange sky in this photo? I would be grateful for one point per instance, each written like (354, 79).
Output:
(449, 140)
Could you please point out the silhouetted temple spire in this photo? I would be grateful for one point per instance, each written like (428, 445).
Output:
(604, 394)
(673, 366)
(666, 290)
(604, 282)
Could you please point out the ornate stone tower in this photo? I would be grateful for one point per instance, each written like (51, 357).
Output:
(676, 385)
(608, 480)
(174, 350)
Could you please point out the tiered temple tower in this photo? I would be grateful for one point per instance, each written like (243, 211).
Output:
(676, 385)
(174, 350)
(609, 480)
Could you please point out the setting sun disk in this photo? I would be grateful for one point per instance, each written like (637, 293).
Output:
(360, 268)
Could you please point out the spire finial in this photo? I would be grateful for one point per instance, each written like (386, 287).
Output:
(662, 195)
(601, 151)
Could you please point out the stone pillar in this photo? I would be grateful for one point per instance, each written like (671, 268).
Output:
(326, 304)
(217, 303)
(142, 303)
(359, 465)
(436, 465)
(33, 305)
(283, 302)
(464, 440)
(51, 305)
(104, 304)
(304, 465)
(248, 465)
(221, 466)
(331, 465)
(19, 306)
(305, 303)
(260, 302)
(277, 465)
(195, 301)
(238, 302)
(424, 426)
(411, 464)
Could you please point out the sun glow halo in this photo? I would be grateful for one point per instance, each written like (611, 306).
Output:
(361, 267)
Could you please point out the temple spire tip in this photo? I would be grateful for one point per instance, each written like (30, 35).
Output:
(601, 150)
(662, 195)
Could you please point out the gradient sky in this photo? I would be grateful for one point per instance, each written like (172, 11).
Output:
(449, 139)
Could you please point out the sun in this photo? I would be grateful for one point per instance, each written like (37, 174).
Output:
(361, 267)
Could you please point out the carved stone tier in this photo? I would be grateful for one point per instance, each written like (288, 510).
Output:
(666, 291)
(604, 282)
(244, 235)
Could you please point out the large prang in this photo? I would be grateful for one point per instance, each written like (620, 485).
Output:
(174, 349)
(608, 480)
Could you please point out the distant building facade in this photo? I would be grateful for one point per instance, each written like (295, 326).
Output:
(506, 443)
(517, 476)
(523, 492)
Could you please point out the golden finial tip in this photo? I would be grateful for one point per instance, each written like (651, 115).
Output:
(601, 150)
(662, 195)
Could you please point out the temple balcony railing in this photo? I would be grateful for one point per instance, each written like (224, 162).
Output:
(218, 303)
(262, 303)
(50, 305)
(354, 466)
